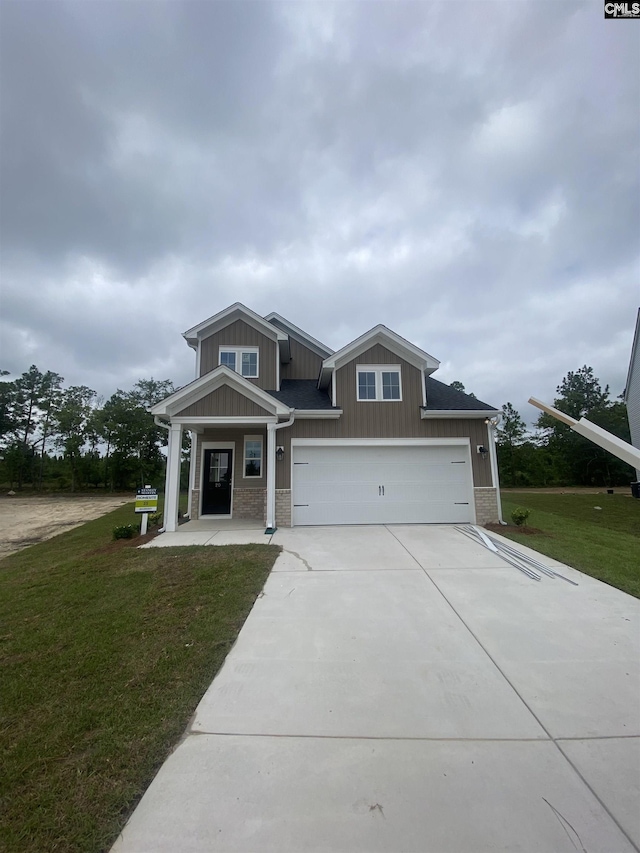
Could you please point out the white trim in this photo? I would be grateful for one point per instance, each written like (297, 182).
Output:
(277, 368)
(378, 370)
(334, 384)
(458, 413)
(295, 332)
(172, 478)
(318, 414)
(224, 318)
(217, 445)
(389, 339)
(198, 359)
(386, 442)
(397, 442)
(192, 470)
(210, 421)
(246, 476)
(239, 352)
(210, 382)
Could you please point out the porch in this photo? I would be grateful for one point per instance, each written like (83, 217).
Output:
(225, 531)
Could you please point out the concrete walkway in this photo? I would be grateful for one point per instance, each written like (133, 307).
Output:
(403, 689)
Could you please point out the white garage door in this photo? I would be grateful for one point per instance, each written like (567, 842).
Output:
(359, 484)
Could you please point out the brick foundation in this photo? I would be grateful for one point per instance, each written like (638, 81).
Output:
(250, 503)
(283, 507)
(486, 505)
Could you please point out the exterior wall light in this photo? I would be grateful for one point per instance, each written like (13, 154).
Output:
(279, 454)
(482, 450)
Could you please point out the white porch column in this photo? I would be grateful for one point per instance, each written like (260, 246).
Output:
(271, 476)
(192, 470)
(493, 456)
(172, 481)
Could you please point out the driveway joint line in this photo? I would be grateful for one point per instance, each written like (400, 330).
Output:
(533, 714)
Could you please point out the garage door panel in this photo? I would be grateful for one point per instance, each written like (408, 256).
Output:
(381, 484)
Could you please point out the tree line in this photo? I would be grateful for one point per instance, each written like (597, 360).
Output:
(68, 438)
(552, 454)
(52, 437)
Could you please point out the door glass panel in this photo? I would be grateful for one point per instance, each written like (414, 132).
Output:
(218, 467)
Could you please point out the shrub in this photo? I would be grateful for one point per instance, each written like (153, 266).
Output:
(125, 531)
(155, 519)
(520, 515)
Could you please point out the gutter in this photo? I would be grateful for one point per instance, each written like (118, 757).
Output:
(271, 470)
(492, 423)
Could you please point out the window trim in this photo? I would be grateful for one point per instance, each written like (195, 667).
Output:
(378, 370)
(246, 476)
(238, 354)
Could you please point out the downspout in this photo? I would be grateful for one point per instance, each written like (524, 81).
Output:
(160, 423)
(493, 455)
(271, 470)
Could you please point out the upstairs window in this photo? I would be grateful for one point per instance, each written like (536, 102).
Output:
(244, 360)
(379, 382)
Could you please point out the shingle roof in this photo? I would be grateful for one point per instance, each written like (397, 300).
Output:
(302, 394)
(441, 397)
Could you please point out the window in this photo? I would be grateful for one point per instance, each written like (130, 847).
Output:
(379, 382)
(253, 456)
(244, 360)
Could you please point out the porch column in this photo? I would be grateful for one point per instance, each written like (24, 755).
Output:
(172, 481)
(193, 435)
(493, 456)
(271, 476)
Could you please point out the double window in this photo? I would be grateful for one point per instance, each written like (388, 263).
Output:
(244, 360)
(378, 382)
(253, 456)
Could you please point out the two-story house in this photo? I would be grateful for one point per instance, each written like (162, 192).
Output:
(289, 432)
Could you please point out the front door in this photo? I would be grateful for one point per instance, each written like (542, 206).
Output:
(216, 482)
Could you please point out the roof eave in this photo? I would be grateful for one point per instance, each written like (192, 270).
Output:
(458, 413)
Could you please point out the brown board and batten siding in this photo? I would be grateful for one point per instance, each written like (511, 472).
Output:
(237, 436)
(224, 402)
(239, 334)
(304, 364)
(475, 430)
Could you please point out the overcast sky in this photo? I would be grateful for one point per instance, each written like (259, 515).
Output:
(464, 172)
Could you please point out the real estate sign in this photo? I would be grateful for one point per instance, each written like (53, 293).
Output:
(147, 500)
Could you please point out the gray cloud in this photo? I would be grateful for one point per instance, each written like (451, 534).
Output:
(465, 173)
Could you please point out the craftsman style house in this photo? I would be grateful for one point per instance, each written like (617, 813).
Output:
(289, 432)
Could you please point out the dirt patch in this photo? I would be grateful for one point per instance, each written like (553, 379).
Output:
(26, 521)
(119, 544)
(512, 528)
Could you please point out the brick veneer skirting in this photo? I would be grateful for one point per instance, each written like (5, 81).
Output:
(249, 503)
(486, 505)
(283, 507)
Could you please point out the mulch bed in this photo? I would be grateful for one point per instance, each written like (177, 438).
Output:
(119, 544)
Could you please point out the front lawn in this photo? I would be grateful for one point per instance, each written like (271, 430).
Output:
(603, 543)
(105, 652)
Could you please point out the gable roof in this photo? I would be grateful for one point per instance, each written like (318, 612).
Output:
(441, 397)
(297, 333)
(378, 335)
(237, 311)
(211, 381)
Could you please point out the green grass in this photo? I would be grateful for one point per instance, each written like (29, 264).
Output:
(602, 543)
(105, 652)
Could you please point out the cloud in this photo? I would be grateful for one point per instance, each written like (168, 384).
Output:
(465, 173)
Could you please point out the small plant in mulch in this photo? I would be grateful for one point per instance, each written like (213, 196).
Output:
(520, 515)
(125, 531)
(155, 519)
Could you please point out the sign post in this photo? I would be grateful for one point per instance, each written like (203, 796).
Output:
(146, 502)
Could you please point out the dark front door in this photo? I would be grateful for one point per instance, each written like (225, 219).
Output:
(216, 482)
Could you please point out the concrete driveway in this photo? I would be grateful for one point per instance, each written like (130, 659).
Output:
(403, 689)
